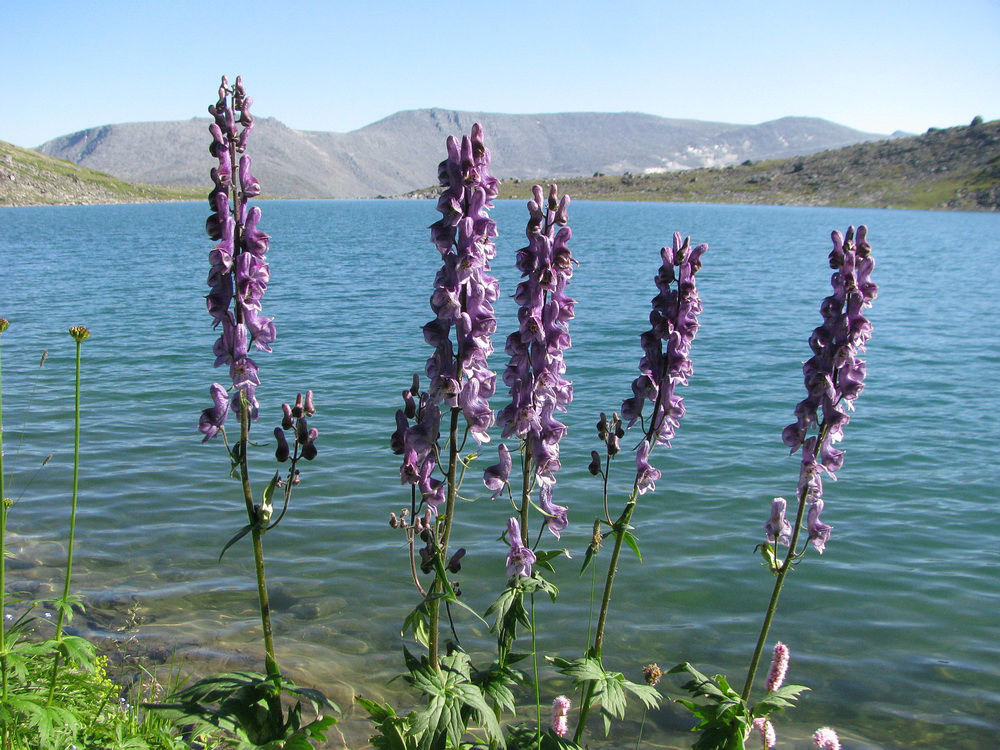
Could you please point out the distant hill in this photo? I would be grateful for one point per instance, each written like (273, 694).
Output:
(401, 152)
(957, 168)
(28, 178)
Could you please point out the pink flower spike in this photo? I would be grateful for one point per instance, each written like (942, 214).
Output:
(826, 739)
(766, 731)
(560, 715)
(779, 666)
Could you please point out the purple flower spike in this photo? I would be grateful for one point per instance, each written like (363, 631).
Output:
(496, 477)
(834, 375)
(666, 347)
(778, 528)
(779, 668)
(535, 374)
(239, 272)
(520, 558)
(819, 532)
(214, 418)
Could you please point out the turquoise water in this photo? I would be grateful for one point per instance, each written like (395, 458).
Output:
(895, 627)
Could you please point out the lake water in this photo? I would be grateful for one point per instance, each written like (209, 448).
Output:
(895, 628)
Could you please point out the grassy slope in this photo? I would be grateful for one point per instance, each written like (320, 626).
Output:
(956, 168)
(28, 178)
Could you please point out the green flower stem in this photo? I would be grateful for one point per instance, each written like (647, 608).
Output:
(620, 528)
(772, 605)
(64, 599)
(432, 649)
(534, 667)
(3, 560)
(270, 662)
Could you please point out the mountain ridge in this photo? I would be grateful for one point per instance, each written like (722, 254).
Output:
(396, 154)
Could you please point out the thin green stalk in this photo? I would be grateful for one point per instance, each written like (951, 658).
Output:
(534, 667)
(3, 552)
(445, 534)
(772, 605)
(80, 334)
(270, 662)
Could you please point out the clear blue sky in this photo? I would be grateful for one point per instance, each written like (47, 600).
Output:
(876, 65)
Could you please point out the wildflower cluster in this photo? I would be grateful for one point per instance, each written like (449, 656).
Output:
(239, 272)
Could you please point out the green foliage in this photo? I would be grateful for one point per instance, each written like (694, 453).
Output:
(724, 718)
(524, 737)
(610, 688)
(453, 701)
(247, 706)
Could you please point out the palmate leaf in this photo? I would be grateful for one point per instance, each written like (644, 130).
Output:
(395, 734)
(779, 699)
(452, 699)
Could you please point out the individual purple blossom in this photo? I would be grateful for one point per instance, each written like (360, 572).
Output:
(834, 375)
(819, 532)
(239, 272)
(826, 739)
(560, 715)
(214, 418)
(646, 474)
(766, 731)
(556, 519)
(520, 558)
(496, 477)
(778, 529)
(779, 668)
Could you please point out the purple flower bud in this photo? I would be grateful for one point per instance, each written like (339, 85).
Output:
(286, 420)
(309, 408)
(281, 450)
(455, 563)
(778, 529)
(298, 410)
(595, 463)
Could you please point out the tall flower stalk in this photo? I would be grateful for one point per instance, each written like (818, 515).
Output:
(834, 377)
(79, 334)
(238, 280)
(665, 364)
(4, 686)
(461, 382)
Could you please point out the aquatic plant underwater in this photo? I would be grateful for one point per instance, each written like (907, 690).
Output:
(465, 704)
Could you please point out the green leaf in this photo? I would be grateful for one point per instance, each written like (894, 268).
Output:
(236, 537)
(588, 556)
(632, 542)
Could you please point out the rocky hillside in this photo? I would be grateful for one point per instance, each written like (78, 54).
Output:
(957, 168)
(28, 178)
(401, 152)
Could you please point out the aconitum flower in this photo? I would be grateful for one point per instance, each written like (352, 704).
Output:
(239, 272)
(496, 477)
(536, 371)
(819, 532)
(779, 668)
(560, 715)
(766, 731)
(826, 739)
(214, 418)
(520, 558)
(834, 376)
(778, 529)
